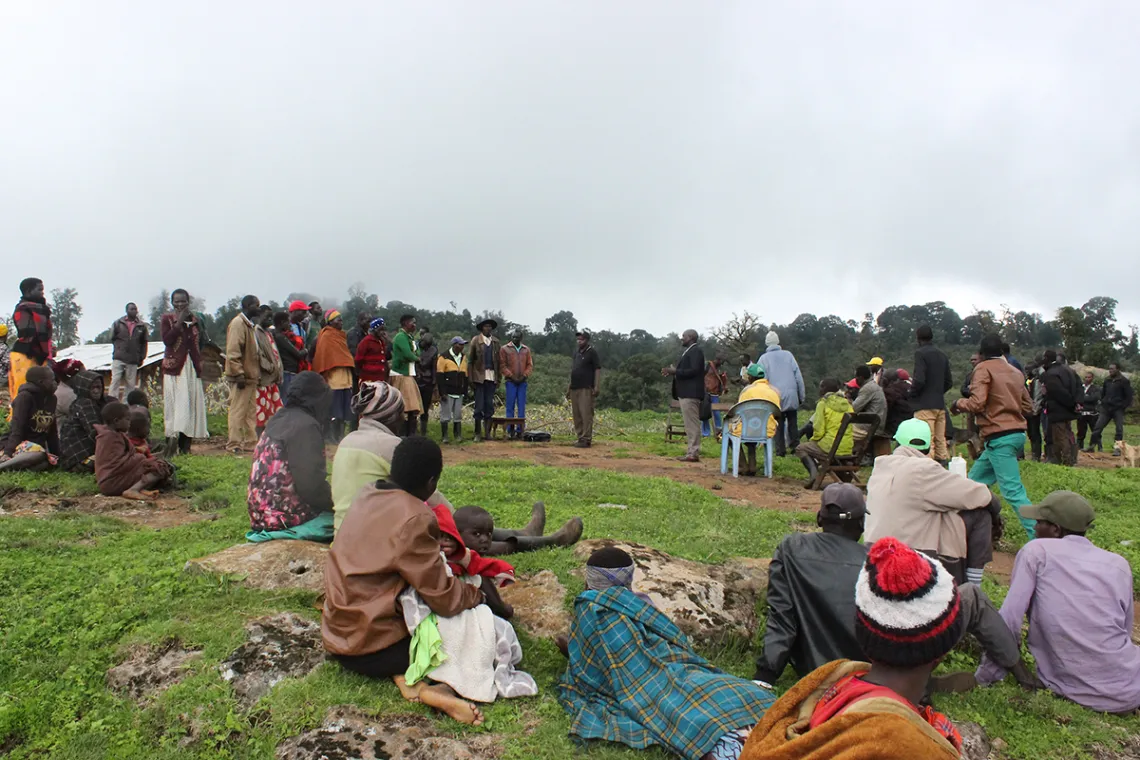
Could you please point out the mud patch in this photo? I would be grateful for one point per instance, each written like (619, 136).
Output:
(708, 602)
(278, 647)
(168, 511)
(270, 565)
(350, 734)
(149, 671)
(782, 494)
(539, 603)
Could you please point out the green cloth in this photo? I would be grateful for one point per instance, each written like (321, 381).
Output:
(319, 529)
(998, 464)
(826, 421)
(426, 650)
(404, 352)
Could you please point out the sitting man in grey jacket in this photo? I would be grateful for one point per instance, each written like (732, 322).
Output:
(871, 400)
(811, 601)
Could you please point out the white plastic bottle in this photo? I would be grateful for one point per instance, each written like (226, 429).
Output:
(958, 466)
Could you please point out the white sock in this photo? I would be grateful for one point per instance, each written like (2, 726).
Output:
(974, 575)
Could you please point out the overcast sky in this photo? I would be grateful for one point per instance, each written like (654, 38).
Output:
(644, 164)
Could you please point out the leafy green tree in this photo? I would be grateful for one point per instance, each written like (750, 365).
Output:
(1073, 331)
(65, 314)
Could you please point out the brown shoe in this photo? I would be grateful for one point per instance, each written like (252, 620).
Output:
(688, 459)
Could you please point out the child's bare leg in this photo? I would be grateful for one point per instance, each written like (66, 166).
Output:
(410, 693)
(32, 460)
(495, 602)
(143, 490)
(443, 698)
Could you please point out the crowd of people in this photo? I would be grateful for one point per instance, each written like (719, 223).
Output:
(863, 611)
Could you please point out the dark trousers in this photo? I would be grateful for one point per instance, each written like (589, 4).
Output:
(1034, 433)
(1085, 424)
(1102, 421)
(787, 433)
(484, 401)
(388, 662)
(1063, 443)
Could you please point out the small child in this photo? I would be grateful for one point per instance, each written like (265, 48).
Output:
(466, 561)
(119, 469)
(33, 438)
(139, 433)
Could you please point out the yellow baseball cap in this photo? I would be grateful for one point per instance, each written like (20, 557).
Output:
(3, 330)
(876, 361)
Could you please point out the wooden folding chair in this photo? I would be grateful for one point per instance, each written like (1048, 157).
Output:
(852, 463)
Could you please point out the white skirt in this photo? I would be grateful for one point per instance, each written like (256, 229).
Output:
(184, 403)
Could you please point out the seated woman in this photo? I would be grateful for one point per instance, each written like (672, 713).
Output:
(119, 469)
(390, 543)
(634, 678)
(33, 438)
(363, 457)
(77, 427)
(289, 494)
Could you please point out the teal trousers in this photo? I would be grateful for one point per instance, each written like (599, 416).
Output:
(998, 464)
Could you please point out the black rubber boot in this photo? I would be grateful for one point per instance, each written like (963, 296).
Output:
(423, 424)
(478, 431)
(537, 524)
(813, 471)
(443, 433)
(567, 535)
(457, 428)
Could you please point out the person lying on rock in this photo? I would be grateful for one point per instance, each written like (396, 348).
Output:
(389, 542)
(33, 438)
(289, 494)
(907, 618)
(811, 593)
(364, 455)
(633, 677)
(459, 545)
(119, 469)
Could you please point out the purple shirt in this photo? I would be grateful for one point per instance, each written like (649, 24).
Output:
(1079, 600)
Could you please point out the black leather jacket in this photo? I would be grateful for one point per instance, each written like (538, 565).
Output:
(811, 604)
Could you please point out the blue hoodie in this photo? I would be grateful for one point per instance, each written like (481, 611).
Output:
(783, 373)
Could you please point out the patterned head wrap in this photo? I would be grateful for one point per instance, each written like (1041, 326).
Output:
(602, 578)
(331, 314)
(379, 402)
(378, 322)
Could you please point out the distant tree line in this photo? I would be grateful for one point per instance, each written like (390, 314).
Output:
(824, 346)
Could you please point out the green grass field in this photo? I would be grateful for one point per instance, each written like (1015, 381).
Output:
(77, 591)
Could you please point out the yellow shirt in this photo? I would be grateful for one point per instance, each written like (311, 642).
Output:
(760, 390)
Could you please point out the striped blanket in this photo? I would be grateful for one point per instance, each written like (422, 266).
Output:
(634, 679)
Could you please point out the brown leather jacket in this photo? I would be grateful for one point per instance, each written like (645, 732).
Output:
(516, 363)
(998, 397)
(389, 540)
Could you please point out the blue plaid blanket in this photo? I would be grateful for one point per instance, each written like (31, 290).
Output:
(635, 679)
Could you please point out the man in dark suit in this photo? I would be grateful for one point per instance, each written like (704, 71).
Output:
(689, 388)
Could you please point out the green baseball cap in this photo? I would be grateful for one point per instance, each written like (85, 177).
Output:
(914, 434)
(755, 370)
(1063, 508)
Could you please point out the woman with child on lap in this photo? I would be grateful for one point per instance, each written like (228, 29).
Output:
(121, 470)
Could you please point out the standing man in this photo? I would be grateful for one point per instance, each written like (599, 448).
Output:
(1087, 413)
(425, 376)
(314, 323)
(243, 369)
(517, 364)
(129, 343)
(783, 372)
(870, 400)
(483, 369)
(585, 384)
(876, 367)
(356, 334)
(928, 386)
(1062, 392)
(1000, 403)
(689, 388)
(1115, 398)
(32, 322)
(716, 383)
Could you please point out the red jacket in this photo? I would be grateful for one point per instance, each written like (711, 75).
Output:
(372, 360)
(467, 562)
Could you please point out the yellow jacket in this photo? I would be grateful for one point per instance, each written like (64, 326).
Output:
(761, 390)
(826, 421)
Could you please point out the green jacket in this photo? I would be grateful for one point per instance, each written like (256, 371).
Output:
(404, 352)
(826, 421)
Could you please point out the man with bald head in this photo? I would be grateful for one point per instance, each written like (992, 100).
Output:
(689, 388)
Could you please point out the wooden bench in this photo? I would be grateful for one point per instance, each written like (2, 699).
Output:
(845, 469)
(504, 422)
(677, 430)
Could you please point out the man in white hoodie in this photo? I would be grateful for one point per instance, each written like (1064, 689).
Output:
(783, 373)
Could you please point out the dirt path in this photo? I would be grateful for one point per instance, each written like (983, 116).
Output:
(167, 512)
(778, 493)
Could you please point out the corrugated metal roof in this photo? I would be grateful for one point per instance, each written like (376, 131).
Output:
(97, 356)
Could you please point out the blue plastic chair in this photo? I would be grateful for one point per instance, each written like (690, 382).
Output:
(753, 416)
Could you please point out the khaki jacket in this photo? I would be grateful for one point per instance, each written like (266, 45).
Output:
(242, 357)
(911, 497)
(389, 540)
(998, 398)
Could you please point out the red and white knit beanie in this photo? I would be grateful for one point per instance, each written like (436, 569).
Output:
(907, 607)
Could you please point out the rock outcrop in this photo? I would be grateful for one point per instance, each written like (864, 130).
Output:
(270, 565)
(280, 646)
(349, 734)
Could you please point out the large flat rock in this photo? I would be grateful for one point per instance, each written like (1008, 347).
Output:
(707, 602)
(279, 646)
(349, 734)
(270, 565)
(540, 605)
